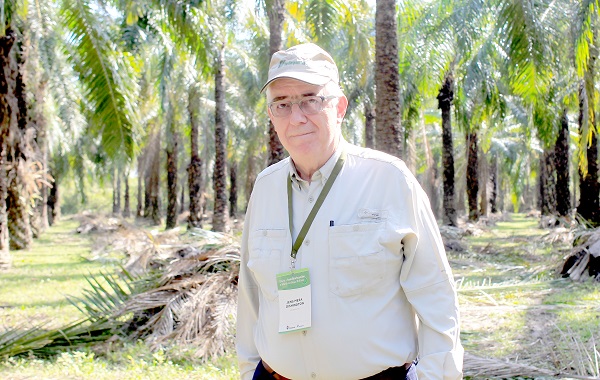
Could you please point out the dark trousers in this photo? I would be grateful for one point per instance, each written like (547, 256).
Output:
(394, 373)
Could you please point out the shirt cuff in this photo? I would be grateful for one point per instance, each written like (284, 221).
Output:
(441, 365)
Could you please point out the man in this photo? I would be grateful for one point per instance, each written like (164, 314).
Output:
(343, 271)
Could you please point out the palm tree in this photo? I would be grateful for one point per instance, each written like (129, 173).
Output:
(276, 13)
(195, 166)
(472, 174)
(172, 150)
(589, 190)
(233, 188)
(563, 194)
(7, 40)
(586, 29)
(445, 97)
(20, 190)
(126, 196)
(388, 136)
(219, 174)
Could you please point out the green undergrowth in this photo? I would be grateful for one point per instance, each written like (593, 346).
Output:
(35, 291)
(41, 278)
(129, 362)
(516, 308)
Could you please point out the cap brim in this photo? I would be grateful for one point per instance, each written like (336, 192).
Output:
(315, 79)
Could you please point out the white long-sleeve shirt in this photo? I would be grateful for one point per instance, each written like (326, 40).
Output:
(382, 289)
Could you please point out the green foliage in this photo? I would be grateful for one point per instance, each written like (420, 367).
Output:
(127, 362)
(108, 78)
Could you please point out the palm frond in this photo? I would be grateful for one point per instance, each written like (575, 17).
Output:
(587, 11)
(107, 76)
(322, 19)
(527, 38)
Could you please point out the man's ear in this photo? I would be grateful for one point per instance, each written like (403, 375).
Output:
(270, 114)
(342, 106)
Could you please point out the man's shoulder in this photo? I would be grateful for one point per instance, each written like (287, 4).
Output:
(281, 168)
(374, 157)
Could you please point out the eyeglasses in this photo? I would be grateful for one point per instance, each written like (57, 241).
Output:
(310, 105)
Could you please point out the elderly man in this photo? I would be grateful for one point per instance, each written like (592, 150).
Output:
(343, 272)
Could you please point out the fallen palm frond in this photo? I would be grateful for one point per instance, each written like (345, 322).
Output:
(487, 285)
(580, 359)
(584, 260)
(178, 288)
(194, 303)
(478, 367)
(39, 341)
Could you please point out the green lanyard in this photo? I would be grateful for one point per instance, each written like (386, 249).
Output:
(296, 246)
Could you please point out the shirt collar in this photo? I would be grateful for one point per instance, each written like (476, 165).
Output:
(324, 171)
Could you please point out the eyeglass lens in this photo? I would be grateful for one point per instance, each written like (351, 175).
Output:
(310, 106)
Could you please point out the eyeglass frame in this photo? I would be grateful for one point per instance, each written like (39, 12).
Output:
(323, 99)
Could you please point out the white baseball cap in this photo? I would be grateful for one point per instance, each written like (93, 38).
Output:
(306, 62)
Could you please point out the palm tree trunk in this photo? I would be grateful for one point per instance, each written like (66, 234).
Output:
(126, 197)
(250, 173)
(472, 175)
(387, 79)
(547, 182)
(140, 205)
(430, 172)
(483, 175)
(220, 172)
(19, 227)
(369, 126)
(445, 97)
(18, 203)
(494, 183)
(589, 191)
(54, 199)
(116, 209)
(182, 200)
(194, 169)
(233, 195)
(563, 195)
(6, 43)
(5, 257)
(276, 14)
(153, 180)
(172, 143)
(41, 204)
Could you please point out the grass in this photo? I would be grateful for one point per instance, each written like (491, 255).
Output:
(56, 265)
(35, 290)
(133, 362)
(513, 308)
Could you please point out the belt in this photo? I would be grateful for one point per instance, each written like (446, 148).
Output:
(391, 373)
(273, 373)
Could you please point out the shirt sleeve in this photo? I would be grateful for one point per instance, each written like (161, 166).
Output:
(429, 286)
(247, 312)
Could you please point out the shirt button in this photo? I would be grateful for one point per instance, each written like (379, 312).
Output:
(307, 242)
(311, 199)
(313, 375)
(304, 332)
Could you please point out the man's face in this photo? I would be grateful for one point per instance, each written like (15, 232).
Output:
(306, 137)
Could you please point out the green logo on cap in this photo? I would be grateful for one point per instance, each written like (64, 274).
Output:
(289, 63)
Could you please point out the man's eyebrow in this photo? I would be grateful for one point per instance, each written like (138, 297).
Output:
(278, 98)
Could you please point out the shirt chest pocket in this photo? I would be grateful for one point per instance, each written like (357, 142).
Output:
(357, 260)
(265, 252)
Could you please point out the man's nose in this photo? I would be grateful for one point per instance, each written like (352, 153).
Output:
(297, 115)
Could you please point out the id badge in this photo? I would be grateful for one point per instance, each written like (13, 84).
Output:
(294, 300)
